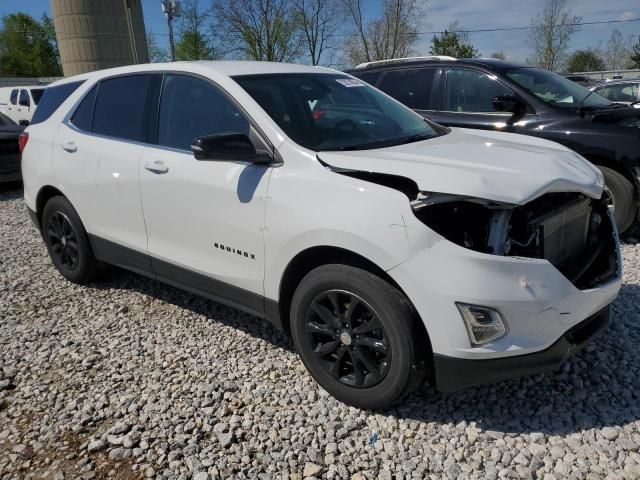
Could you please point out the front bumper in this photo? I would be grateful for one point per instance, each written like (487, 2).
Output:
(452, 374)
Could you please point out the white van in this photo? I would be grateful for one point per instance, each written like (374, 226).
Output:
(19, 103)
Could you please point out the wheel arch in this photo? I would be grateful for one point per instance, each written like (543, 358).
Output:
(313, 257)
(44, 195)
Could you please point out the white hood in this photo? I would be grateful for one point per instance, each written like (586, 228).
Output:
(495, 166)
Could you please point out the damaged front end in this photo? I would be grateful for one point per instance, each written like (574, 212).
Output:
(575, 233)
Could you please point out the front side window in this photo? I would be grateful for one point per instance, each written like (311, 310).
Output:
(472, 91)
(554, 89)
(191, 107)
(335, 112)
(121, 107)
(52, 98)
(410, 86)
(621, 92)
(14, 97)
(24, 98)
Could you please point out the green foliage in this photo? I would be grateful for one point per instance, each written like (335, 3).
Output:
(585, 61)
(193, 45)
(453, 44)
(28, 48)
(156, 54)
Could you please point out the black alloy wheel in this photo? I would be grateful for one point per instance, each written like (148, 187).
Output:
(63, 240)
(358, 336)
(347, 337)
(67, 241)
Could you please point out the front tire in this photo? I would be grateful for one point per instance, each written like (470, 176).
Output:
(357, 336)
(621, 197)
(67, 241)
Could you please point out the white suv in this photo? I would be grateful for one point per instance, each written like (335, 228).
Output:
(391, 248)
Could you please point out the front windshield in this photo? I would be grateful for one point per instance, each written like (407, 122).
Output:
(555, 89)
(335, 112)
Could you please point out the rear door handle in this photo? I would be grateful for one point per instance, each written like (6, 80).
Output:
(69, 147)
(156, 167)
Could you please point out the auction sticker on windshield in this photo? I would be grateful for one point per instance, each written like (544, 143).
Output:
(349, 82)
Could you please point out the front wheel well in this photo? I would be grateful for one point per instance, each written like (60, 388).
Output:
(314, 257)
(44, 195)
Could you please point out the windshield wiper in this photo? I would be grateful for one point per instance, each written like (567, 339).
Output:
(384, 143)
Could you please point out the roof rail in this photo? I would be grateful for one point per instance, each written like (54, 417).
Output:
(404, 59)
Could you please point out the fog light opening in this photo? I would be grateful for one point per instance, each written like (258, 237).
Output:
(483, 324)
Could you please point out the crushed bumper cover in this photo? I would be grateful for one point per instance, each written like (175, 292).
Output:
(452, 374)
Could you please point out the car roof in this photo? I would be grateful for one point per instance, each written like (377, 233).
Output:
(227, 68)
(491, 63)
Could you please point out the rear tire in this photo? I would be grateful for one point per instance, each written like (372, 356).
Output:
(357, 336)
(622, 196)
(67, 241)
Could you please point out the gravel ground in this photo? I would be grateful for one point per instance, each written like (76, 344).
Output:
(129, 378)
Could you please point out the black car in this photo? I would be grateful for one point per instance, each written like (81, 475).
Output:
(9, 149)
(499, 95)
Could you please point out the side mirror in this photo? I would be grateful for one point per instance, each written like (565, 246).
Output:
(509, 103)
(228, 147)
(24, 123)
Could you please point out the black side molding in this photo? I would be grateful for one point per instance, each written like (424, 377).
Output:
(452, 374)
(185, 279)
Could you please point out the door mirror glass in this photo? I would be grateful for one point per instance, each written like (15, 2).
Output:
(228, 146)
(508, 103)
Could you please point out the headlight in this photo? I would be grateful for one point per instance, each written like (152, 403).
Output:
(483, 324)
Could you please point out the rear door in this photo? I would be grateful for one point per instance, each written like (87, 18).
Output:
(97, 153)
(12, 108)
(466, 100)
(24, 106)
(414, 87)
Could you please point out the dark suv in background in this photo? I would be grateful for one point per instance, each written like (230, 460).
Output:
(498, 95)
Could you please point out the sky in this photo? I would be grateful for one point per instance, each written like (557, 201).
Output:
(438, 14)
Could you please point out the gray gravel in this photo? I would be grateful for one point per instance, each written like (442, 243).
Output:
(129, 378)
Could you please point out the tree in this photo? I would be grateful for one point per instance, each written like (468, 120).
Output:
(318, 20)
(260, 29)
(619, 51)
(635, 54)
(156, 54)
(454, 43)
(499, 55)
(585, 61)
(551, 32)
(28, 48)
(390, 36)
(193, 43)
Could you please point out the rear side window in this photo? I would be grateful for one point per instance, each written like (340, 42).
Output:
(410, 86)
(120, 107)
(52, 98)
(25, 101)
(36, 94)
(83, 116)
(14, 97)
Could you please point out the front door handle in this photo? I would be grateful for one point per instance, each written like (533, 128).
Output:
(156, 167)
(69, 147)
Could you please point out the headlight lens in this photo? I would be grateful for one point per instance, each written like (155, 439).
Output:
(484, 324)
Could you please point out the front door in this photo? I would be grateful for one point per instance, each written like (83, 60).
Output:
(204, 219)
(467, 102)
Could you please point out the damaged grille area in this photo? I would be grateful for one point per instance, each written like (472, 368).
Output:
(573, 232)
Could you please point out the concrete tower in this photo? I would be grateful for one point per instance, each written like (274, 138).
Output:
(97, 34)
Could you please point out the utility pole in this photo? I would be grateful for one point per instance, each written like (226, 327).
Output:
(171, 10)
(132, 37)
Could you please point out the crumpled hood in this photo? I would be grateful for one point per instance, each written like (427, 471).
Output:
(496, 166)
